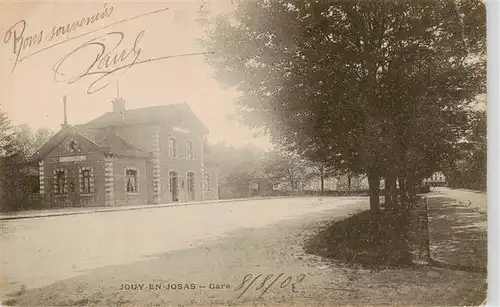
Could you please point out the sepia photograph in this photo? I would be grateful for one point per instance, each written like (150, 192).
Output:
(244, 153)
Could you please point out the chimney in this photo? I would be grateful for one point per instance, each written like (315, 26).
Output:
(65, 114)
(118, 105)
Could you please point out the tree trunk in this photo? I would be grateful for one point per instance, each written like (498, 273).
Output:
(410, 188)
(402, 191)
(322, 178)
(391, 196)
(374, 187)
(348, 182)
(410, 182)
(292, 181)
(394, 192)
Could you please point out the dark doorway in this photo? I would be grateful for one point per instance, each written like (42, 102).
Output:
(190, 186)
(73, 195)
(174, 186)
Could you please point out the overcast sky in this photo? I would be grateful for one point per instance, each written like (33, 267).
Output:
(29, 94)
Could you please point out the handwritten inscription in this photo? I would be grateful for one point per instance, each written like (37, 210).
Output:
(21, 41)
(58, 30)
(265, 283)
(108, 58)
(105, 57)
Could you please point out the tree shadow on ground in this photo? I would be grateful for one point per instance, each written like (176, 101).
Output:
(366, 239)
(458, 235)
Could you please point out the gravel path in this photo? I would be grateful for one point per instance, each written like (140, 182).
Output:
(273, 249)
(458, 228)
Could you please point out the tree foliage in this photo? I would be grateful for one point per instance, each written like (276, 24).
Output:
(375, 87)
(287, 170)
(237, 168)
(11, 165)
(29, 141)
(469, 170)
(276, 171)
(7, 136)
(18, 180)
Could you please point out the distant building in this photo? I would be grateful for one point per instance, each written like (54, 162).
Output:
(139, 156)
(436, 180)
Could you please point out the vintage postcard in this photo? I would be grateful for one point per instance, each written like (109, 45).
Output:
(241, 153)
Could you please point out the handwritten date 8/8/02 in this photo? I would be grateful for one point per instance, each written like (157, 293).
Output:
(265, 283)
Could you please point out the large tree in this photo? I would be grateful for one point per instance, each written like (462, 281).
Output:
(238, 168)
(469, 169)
(288, 170)
(17, 179)
(29, 141)
(7, 136)
(11, 165)
(375, 87)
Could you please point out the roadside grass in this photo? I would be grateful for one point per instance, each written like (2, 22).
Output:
(389, 251)
(370, 240)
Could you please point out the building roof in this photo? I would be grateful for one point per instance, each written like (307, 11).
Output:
(106, 141)
(109, 141)
(173, 113)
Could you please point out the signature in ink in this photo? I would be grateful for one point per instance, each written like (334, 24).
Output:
(110, 59)
(265, 283)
